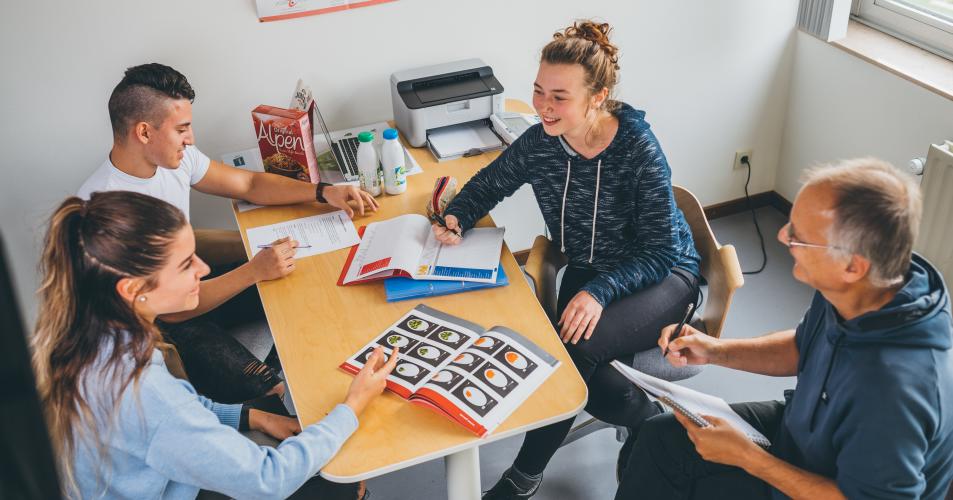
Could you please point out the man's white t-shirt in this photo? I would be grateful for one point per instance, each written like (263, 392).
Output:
(168, 184)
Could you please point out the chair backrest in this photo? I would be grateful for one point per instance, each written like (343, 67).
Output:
(719, 264)
(543, 264)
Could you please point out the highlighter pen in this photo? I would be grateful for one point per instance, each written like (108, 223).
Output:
(678, 329)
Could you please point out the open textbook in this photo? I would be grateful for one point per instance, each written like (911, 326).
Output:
(691, 403)
(474, 376)
(405, 246)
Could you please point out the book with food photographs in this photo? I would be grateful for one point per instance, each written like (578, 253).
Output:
(472, 375)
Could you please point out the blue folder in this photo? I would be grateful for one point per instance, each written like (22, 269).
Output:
(400, 288)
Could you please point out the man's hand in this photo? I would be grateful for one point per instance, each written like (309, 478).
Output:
(720, 442)
(338, 196)
(579, 318)
(370, 381)
(449, 235)
(691, 347)
(275, 262)
(276, 426)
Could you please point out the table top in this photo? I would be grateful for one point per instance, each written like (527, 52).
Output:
(317, 324)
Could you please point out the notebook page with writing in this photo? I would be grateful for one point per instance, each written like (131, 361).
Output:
(689, 402)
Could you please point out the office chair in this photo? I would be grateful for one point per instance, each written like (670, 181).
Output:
(719, 268)
(26, 456)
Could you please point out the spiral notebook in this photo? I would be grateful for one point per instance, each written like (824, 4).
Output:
(690, 403)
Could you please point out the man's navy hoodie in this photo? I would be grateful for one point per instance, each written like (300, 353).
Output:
(614, 213)
(873, 407)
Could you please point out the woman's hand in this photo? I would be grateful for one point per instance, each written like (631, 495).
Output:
(276, 261)
(449, 235)
(276, 426)
(370, 381)
(579, 318)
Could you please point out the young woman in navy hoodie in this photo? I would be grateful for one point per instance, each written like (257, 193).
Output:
(604, 188)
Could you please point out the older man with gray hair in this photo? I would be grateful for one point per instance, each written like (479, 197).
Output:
(872, 414)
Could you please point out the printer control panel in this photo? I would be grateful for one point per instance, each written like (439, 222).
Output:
(510, 125)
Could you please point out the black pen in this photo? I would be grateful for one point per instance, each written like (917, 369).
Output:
(271, 245)
(678, 329)
(443, 222)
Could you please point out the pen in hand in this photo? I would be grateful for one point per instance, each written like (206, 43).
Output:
(270, 245)
(678, 329)
(443, 222)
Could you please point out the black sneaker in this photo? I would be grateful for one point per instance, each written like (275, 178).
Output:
(506, 489)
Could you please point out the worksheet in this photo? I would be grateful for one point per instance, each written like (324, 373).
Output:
(315, 235)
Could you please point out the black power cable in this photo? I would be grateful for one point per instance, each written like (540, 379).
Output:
(754, 217)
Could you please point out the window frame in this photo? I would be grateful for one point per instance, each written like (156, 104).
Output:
(906, 23)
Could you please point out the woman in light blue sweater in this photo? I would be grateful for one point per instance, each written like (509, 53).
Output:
(124, 426)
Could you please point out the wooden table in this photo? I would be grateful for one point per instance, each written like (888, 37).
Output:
(317, 324)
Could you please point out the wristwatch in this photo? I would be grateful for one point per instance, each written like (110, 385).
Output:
(319, 191)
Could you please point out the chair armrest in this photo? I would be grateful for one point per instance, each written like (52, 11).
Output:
(219, 246)
(723, 279)
(544, 262)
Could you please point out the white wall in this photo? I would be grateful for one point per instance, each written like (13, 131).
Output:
(711, 75)
(844, 107)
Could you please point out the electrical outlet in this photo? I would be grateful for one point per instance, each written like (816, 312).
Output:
(739, 155)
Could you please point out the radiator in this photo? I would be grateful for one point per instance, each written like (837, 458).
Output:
(936, 229)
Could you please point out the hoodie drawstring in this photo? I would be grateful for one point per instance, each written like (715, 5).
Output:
(595, 211)
(823, 397)
(562, 214)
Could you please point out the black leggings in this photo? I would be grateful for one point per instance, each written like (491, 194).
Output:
(627, 326)
(217, 364)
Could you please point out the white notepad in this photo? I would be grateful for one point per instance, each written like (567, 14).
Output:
(691, 403)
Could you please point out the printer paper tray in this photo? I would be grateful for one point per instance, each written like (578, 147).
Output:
(462, 140)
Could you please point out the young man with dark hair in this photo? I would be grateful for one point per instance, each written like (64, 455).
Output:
(153, 153)
(872, 413)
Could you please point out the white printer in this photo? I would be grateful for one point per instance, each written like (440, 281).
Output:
(444, 95)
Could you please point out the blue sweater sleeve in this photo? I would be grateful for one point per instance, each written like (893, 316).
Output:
(656, 230)
(227, 414)
(501, 178)
(229, 463)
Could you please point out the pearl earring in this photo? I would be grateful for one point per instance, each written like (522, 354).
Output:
(142, 298)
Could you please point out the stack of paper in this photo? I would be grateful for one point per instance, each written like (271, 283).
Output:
(465, 139)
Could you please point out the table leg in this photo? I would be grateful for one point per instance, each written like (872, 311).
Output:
(463, 474)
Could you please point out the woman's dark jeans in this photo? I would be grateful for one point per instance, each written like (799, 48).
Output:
(627, 326)
(219, 366)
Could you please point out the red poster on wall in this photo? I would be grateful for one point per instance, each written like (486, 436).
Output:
(276, 10)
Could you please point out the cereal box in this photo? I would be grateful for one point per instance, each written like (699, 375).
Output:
(284, 139)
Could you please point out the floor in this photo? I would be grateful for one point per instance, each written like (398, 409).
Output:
(769, 301)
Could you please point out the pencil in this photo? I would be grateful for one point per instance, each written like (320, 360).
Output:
(270, 245)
